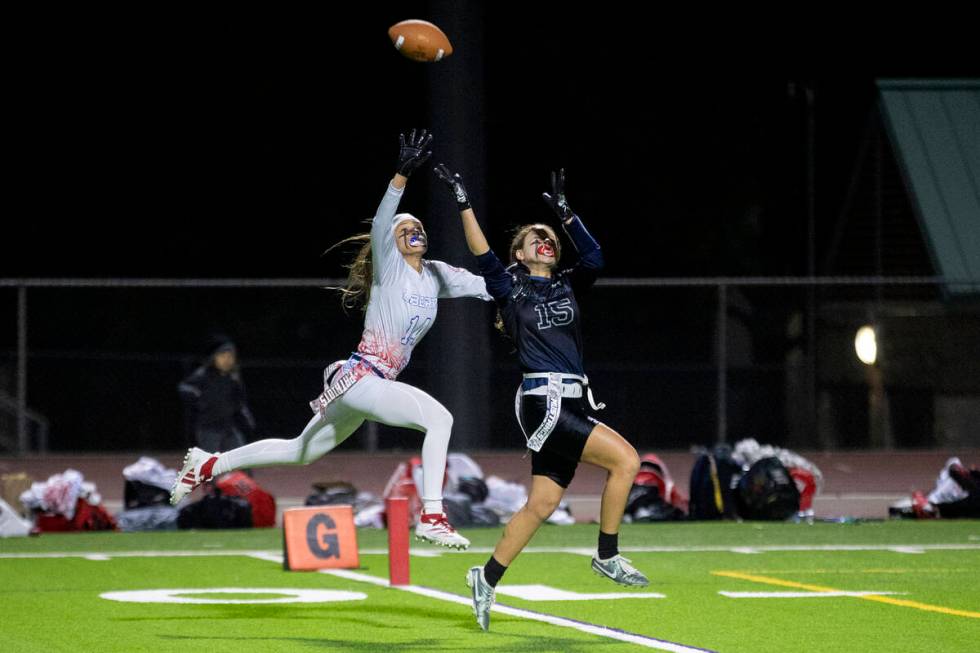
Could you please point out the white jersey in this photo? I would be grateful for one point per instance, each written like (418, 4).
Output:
(403, 302)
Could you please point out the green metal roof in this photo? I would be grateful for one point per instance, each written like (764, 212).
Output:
(935, 129)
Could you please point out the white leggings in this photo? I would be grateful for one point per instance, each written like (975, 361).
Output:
(373, 398)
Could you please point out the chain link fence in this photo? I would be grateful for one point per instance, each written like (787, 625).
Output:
(680, 362)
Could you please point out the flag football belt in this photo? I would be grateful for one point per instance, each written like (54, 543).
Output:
(335, 384)
(555, 386)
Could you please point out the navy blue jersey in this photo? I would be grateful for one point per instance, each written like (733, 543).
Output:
(541, 314)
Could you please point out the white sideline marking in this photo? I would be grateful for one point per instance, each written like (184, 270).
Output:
(132, 554)
(269, 556)
(800, 595)
(896, 548)
(103, 555)
(602, 631)
(803, 547)
(285, 596)
(548, 593)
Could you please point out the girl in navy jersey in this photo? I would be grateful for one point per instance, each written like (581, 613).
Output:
(538, 310)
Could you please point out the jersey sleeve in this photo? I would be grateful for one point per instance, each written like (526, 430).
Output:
(384, 252)
(457, 282)
(590, 261)
(499, 282)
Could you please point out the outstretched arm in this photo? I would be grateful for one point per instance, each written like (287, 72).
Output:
(412, 153)
(475, 239)
(457, 282)
(498, 282)
(590, 256)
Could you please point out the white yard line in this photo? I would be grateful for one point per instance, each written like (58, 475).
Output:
(593, 629)
(548, 593)
(612, 633)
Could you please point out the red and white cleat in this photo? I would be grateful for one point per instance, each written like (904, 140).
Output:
(921, 506)
(198, 464)
(436, 528)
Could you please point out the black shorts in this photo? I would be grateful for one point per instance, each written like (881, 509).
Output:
(561, 452)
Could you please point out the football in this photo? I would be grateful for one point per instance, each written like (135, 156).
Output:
(420, 40)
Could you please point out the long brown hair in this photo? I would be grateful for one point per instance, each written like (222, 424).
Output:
(541, 231)
(517, 243)
(357, 291)
(360, 272)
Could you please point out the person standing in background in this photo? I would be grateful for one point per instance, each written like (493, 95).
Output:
(216, 412)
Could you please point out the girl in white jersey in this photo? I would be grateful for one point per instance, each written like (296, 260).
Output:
(401, 307)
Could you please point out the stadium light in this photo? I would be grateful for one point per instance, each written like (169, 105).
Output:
(866, 345)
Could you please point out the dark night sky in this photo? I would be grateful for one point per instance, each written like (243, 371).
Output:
(243, 146)
(174, 144)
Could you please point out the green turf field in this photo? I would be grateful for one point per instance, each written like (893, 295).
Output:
(925, 576)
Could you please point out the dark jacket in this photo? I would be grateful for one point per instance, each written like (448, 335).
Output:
(215, 401)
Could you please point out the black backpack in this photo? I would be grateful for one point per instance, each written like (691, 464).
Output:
(216, 511)
(645, 504)
(713, 481)
(326, 493)
(462, 510)
(767, 491)
(137, 494)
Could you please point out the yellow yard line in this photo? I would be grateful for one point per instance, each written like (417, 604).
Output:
(870, 597)
(918, 570)
(924, 570)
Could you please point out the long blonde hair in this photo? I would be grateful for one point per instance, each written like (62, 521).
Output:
(357, 291)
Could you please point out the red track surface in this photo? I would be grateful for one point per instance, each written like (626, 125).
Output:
(860, 484)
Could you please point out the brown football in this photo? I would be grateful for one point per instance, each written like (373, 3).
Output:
(420, 40)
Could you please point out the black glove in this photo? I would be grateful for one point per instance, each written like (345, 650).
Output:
(413, 153)
(455, 183)
(557, 198)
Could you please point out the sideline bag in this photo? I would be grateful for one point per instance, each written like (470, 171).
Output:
(767, 491)
(240, 484)
(714, 478)
(216, 511)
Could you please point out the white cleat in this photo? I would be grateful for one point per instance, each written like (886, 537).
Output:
(619, 570)
(435, 528)
(198, 464)
(483, 595)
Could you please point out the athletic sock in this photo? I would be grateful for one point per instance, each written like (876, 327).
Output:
(608, 545)
(431, 507)
(493, 570)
